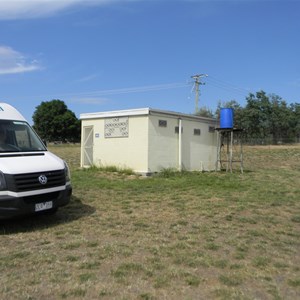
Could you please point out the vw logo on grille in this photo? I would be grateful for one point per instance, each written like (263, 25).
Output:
(43, 179)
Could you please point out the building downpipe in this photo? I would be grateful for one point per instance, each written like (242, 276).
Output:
(180, 145)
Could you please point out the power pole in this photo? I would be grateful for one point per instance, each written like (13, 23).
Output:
(197, 91)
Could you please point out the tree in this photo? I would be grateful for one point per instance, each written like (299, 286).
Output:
(204, 112)
(266, 117)
(294, 125)
(280, 119)
(53, 121)
(257, 115)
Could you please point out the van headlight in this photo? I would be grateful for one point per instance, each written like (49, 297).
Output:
(3, 185)
(67, 172)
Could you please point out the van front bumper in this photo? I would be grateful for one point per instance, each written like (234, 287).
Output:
(11, 206)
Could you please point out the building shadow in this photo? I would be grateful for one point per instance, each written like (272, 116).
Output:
(73, 211)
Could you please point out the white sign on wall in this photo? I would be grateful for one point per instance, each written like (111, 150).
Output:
(116, 127)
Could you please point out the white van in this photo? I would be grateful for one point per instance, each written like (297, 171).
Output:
(32, 179)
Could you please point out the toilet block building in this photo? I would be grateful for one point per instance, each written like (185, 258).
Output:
(148, 140)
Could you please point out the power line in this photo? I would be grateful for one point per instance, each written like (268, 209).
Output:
(227, 86)
(140, 89)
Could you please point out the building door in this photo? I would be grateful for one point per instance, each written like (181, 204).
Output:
(88, 143)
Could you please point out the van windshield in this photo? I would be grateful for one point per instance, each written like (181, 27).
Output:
(18, 136)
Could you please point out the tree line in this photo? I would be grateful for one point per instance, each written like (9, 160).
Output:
(264, 117)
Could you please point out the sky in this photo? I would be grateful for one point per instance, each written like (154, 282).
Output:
(103, 55)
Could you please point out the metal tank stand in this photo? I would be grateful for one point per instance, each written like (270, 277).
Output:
(229, 148)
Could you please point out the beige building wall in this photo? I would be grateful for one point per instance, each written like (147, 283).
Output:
(152, 141)
(186, 151)
(163, 143)
(124, 152)
(199, 146)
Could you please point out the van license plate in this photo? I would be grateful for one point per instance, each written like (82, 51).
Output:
(43, 206)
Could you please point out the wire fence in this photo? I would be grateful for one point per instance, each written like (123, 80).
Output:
(252, 154)
(270, 141)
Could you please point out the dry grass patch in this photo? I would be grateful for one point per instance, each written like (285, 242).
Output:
(181, 236)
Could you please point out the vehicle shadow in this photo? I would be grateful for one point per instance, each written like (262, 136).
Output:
(73, 211)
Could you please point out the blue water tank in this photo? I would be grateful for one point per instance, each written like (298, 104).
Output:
(226, 118)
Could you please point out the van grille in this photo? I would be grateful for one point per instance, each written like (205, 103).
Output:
(29, 182)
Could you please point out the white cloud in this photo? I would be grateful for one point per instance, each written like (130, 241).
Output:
(12, 62)
(28, 9)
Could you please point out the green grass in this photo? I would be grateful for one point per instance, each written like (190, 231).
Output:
(171, 236)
